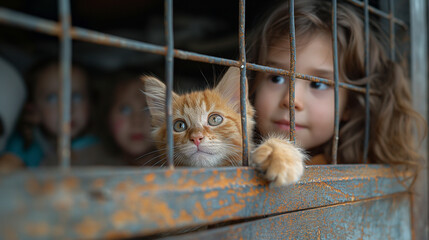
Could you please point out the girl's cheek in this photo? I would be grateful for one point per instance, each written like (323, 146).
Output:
(118, 125)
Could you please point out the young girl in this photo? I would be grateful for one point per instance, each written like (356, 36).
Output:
(393, 120)
(35, 143)
(129, 123)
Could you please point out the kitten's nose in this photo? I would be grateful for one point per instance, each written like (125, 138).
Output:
(197, 139)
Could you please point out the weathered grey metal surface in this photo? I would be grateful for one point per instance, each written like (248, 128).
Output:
(101, 203)
(383, 218)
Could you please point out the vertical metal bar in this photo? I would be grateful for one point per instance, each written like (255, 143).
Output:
(336, 90)
(419, 89)
(392, 30)
(367, 112)
(63, 148)
(243, 82)
(292, 70)
(169, 64)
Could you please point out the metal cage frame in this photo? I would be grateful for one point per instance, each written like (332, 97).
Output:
(66, 32)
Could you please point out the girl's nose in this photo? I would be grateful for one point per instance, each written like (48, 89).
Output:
(137, 118)
(299, 97)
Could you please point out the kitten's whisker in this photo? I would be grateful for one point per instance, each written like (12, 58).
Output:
(148, 153)
(207, 81)
(152, 159)
(162, 159)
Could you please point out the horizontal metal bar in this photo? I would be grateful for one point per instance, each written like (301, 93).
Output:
(95, 203)
(378, 218)
(262, 68)
(380, 13)
(52, 28)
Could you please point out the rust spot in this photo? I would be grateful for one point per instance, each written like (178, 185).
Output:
(149, 177)
(230, 210)
(122, 218)
(98, 183)
(88, 228)
(157, 211)
(117, 235)
(213, 194)
(184, 216)
(36, 187)
(71, 183)
(38, 229)
(124, 185)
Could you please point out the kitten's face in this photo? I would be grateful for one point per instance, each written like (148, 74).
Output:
(206, 124)
(206, 131)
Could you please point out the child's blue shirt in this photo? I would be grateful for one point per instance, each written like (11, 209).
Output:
(35, 153)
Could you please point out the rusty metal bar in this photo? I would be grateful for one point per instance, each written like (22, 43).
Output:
(367, 66)
(419, 90)
(98, 203)
(169, 69)
(380, 13)
(392, 30)
(64, 106)
(277, 71)
(292, 70)
(243, 82)
(335, 60)
(50, 27)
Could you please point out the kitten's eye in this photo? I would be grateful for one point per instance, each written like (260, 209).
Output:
(215, 119)
(319, 86)
(277, 79)
(180, 126)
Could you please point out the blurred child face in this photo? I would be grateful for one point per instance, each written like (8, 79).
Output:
(130, 121)
(314, 102)
(46, 100)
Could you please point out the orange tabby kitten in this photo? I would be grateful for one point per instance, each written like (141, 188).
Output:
(207, 130)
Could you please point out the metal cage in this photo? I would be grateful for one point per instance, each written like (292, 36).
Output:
(232, 202)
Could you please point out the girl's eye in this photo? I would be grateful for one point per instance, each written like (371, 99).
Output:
(319, 86)
(77, 97)
(278, 79)
(215, 119)
(52, 98)
(125, 110)
(179, 126)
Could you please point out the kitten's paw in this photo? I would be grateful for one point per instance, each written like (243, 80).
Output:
(282, 162)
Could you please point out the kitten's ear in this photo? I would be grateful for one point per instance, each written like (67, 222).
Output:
(229, 87)
(155, 90)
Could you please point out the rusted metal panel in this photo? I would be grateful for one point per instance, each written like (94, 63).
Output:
(382, 218)
(100, 203)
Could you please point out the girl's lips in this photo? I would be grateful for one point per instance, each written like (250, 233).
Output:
(285, 125)
(137, 137)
